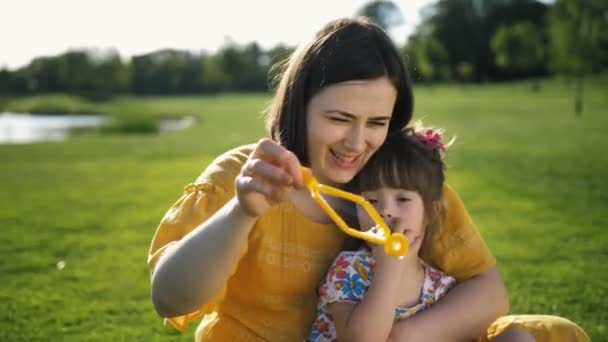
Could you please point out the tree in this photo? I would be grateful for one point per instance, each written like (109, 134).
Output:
(46, 74)
(518, 48)
(110, 74)
(5, 81)
(432, 58)
(383, 12)
(464, 29)
(94, 73)
(579, 40)
(213, 78)
(166, 71)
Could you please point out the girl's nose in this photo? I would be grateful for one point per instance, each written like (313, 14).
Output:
(385, 215)
(389, 220)
(385, 210)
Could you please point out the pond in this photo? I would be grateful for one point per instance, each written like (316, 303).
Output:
(17, 128)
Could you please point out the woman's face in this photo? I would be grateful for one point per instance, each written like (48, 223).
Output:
(347, 122)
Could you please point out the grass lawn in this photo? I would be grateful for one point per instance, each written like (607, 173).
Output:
(532, 175)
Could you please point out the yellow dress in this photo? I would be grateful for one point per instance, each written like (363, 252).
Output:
(271, 293)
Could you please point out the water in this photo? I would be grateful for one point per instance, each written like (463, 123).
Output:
(25, 128)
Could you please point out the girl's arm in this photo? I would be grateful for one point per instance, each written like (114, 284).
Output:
(372, 318)
(194, 268)
(462, 315)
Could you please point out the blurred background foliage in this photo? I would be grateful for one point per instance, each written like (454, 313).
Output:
(456, 41)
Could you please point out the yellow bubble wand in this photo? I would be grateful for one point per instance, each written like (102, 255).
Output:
(395, 244)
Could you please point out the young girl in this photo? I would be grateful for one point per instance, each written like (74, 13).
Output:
(364, 291)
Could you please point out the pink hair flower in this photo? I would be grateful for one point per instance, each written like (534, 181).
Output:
(432, 140)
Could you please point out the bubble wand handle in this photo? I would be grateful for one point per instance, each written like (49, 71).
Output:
(395, 244)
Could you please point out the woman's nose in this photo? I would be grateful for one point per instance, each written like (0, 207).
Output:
(356, 139)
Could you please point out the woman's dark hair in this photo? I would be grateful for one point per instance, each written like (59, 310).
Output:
(343, 50)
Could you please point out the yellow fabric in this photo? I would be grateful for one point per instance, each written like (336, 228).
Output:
(457, 248)
(271, 293)
(543, 328)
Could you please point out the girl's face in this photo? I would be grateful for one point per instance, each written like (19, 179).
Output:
(402, 210)
(347, 122)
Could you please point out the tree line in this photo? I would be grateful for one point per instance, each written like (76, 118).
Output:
(457, 40)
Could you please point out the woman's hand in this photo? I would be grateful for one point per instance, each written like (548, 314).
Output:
(270, 171)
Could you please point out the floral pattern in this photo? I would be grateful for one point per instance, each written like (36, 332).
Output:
(348, 279)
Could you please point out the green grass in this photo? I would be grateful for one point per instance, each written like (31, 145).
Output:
(49, 104)
(532, 175)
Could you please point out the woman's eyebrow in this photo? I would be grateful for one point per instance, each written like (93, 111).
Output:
(353, 116)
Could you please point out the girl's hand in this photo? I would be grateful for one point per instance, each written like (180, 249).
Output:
(270, 171)
(381, 258)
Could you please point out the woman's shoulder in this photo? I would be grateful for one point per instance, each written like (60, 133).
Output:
(449, 196)
(224, 168)
(457, 218)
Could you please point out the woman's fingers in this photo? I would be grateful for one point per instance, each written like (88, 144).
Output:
(255, 195)
(264, 178)
(249, 184)
(268, 150)
(278, 155)
(259, 168)
(294, 169)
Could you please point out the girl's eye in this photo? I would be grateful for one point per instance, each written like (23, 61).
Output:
(338, 119)
(371, 200)
(403, 199)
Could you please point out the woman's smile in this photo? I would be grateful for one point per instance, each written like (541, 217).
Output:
(345, 161)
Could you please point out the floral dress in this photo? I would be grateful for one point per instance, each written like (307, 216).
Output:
(348, 279)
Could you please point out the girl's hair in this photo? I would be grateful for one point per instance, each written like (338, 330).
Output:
(343, 50)
(411, 160)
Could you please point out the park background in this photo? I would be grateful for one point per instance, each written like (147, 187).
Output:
(521, 84)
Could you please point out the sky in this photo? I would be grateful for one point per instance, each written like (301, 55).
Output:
(33, 28)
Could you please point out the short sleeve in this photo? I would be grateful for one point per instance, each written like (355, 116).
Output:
(347, 279)
(444, 284)
(200, 200)
(457, 248)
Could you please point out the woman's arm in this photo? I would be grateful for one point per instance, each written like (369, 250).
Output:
(372, 318)
(194, 268)
(462, 315)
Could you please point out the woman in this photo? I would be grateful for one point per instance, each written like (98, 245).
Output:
(247, 246)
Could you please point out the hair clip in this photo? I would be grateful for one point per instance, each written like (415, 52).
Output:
(432, 139)
(395, 244)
